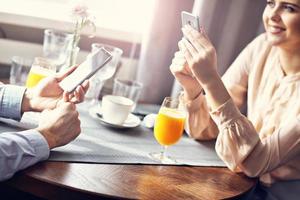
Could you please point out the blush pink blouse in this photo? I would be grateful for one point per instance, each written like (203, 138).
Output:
(266, 142)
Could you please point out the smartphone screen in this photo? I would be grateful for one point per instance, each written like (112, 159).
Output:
(85, 70)
(188, 18)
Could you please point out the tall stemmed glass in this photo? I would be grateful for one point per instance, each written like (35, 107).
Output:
(98, 80)
(168, 129)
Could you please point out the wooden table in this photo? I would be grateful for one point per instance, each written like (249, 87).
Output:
(63, 180)
(59, 180)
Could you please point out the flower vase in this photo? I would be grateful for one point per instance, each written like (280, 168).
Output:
(71, 58)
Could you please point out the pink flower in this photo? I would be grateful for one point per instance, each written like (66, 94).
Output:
(80, 10)
(82, 19)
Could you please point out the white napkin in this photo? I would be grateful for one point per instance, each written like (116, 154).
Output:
(149, 120)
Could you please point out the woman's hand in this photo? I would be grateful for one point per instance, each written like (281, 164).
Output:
(48, 93)
(202, 61)
(184, 76)
(200, 55)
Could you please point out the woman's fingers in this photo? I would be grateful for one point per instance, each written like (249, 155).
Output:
(179, 59)
(190, 47)
(200, 40)
(192, 40)
(176, 69)
(187, 54)
(179, 64)
(184, 50)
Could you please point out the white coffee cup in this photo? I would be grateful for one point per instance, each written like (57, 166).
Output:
(115, 109)
(128, 88)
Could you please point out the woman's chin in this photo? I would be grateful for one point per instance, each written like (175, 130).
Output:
(274, 40)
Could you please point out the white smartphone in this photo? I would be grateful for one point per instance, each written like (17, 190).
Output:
(189, 18)
(94, 61)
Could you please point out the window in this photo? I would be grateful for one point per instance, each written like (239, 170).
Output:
(113, 17)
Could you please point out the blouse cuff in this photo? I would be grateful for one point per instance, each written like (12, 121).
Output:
(192, 105)
(226, 113)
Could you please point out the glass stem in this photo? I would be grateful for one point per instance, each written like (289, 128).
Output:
(163, 153)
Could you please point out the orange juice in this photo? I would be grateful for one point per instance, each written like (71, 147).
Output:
(169, 126)
(33, 79)
(41, 68)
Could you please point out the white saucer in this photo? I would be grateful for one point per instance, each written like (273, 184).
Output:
(131, 122)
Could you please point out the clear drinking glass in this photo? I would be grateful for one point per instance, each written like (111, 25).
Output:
(41, 68)
(97, 81)
(128, 88)
(57, 45)
(168, 128)
(19, 70)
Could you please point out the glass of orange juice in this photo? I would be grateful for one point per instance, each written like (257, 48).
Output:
(169, 126)
(41, 68)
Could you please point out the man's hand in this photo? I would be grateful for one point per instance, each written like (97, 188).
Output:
(60, 125)
(48, 93)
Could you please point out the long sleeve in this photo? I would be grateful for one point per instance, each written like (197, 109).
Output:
(199, 124)
(239, 146)
(265, 141)
(18, 150)
(11, 101)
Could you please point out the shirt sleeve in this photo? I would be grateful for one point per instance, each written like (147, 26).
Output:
(11, 97)
(240, 147)
(19, 150)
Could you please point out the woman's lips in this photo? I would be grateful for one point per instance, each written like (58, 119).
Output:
(275, 29)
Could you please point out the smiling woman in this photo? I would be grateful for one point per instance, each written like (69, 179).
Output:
(282, 23)
(266, 76)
